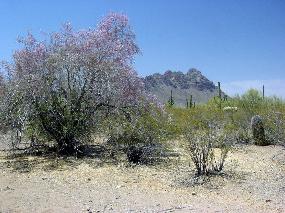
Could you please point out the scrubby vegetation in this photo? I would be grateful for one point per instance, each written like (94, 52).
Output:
(65, 88)
(78, 85)
(208, 148)
(235, 115)
(212, 129)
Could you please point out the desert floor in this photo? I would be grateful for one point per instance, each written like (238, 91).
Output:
(253, 181)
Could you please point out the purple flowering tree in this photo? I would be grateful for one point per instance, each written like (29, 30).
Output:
(64, 86)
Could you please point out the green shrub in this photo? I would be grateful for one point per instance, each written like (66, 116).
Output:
(139, 130)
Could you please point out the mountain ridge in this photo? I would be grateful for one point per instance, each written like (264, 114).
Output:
(183, 85)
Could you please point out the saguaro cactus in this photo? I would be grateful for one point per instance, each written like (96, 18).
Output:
(257, 128)
(191, 101)
(219, 87)
(220, 95)
(171, 100)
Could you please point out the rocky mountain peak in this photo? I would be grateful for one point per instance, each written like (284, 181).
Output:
(194, 71)
(193, 82)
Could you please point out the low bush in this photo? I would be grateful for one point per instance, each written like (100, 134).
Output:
(139, 134)
(208, 147)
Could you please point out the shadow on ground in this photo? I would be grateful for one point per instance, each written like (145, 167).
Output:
(26, 160)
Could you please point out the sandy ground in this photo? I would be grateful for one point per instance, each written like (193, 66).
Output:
(253, 181)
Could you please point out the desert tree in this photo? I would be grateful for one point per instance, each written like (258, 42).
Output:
(65, 85)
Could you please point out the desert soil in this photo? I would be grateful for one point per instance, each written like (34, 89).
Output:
(253, 181)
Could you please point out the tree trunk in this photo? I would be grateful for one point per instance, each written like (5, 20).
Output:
(67, 146)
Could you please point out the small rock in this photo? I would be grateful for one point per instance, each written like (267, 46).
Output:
(194, 193)
(7, 188)
(267, 201)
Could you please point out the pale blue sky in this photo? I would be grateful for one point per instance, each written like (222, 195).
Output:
(228, 40)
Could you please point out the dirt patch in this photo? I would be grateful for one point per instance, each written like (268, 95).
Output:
(253, 181)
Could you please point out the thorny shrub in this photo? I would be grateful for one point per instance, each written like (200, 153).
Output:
(208, 145)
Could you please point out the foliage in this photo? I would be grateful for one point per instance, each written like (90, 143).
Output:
(208, 147)
(3, 91)
(140, 132)
(208, 133)
(274, 125)
(271, 109)
(65, 86)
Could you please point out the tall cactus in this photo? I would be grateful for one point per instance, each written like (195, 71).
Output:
(220, 92)
(191, 101)
(220, 95)
(258, 132)
(171, 100)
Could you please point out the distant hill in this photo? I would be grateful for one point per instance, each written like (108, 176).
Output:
(182, 85)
